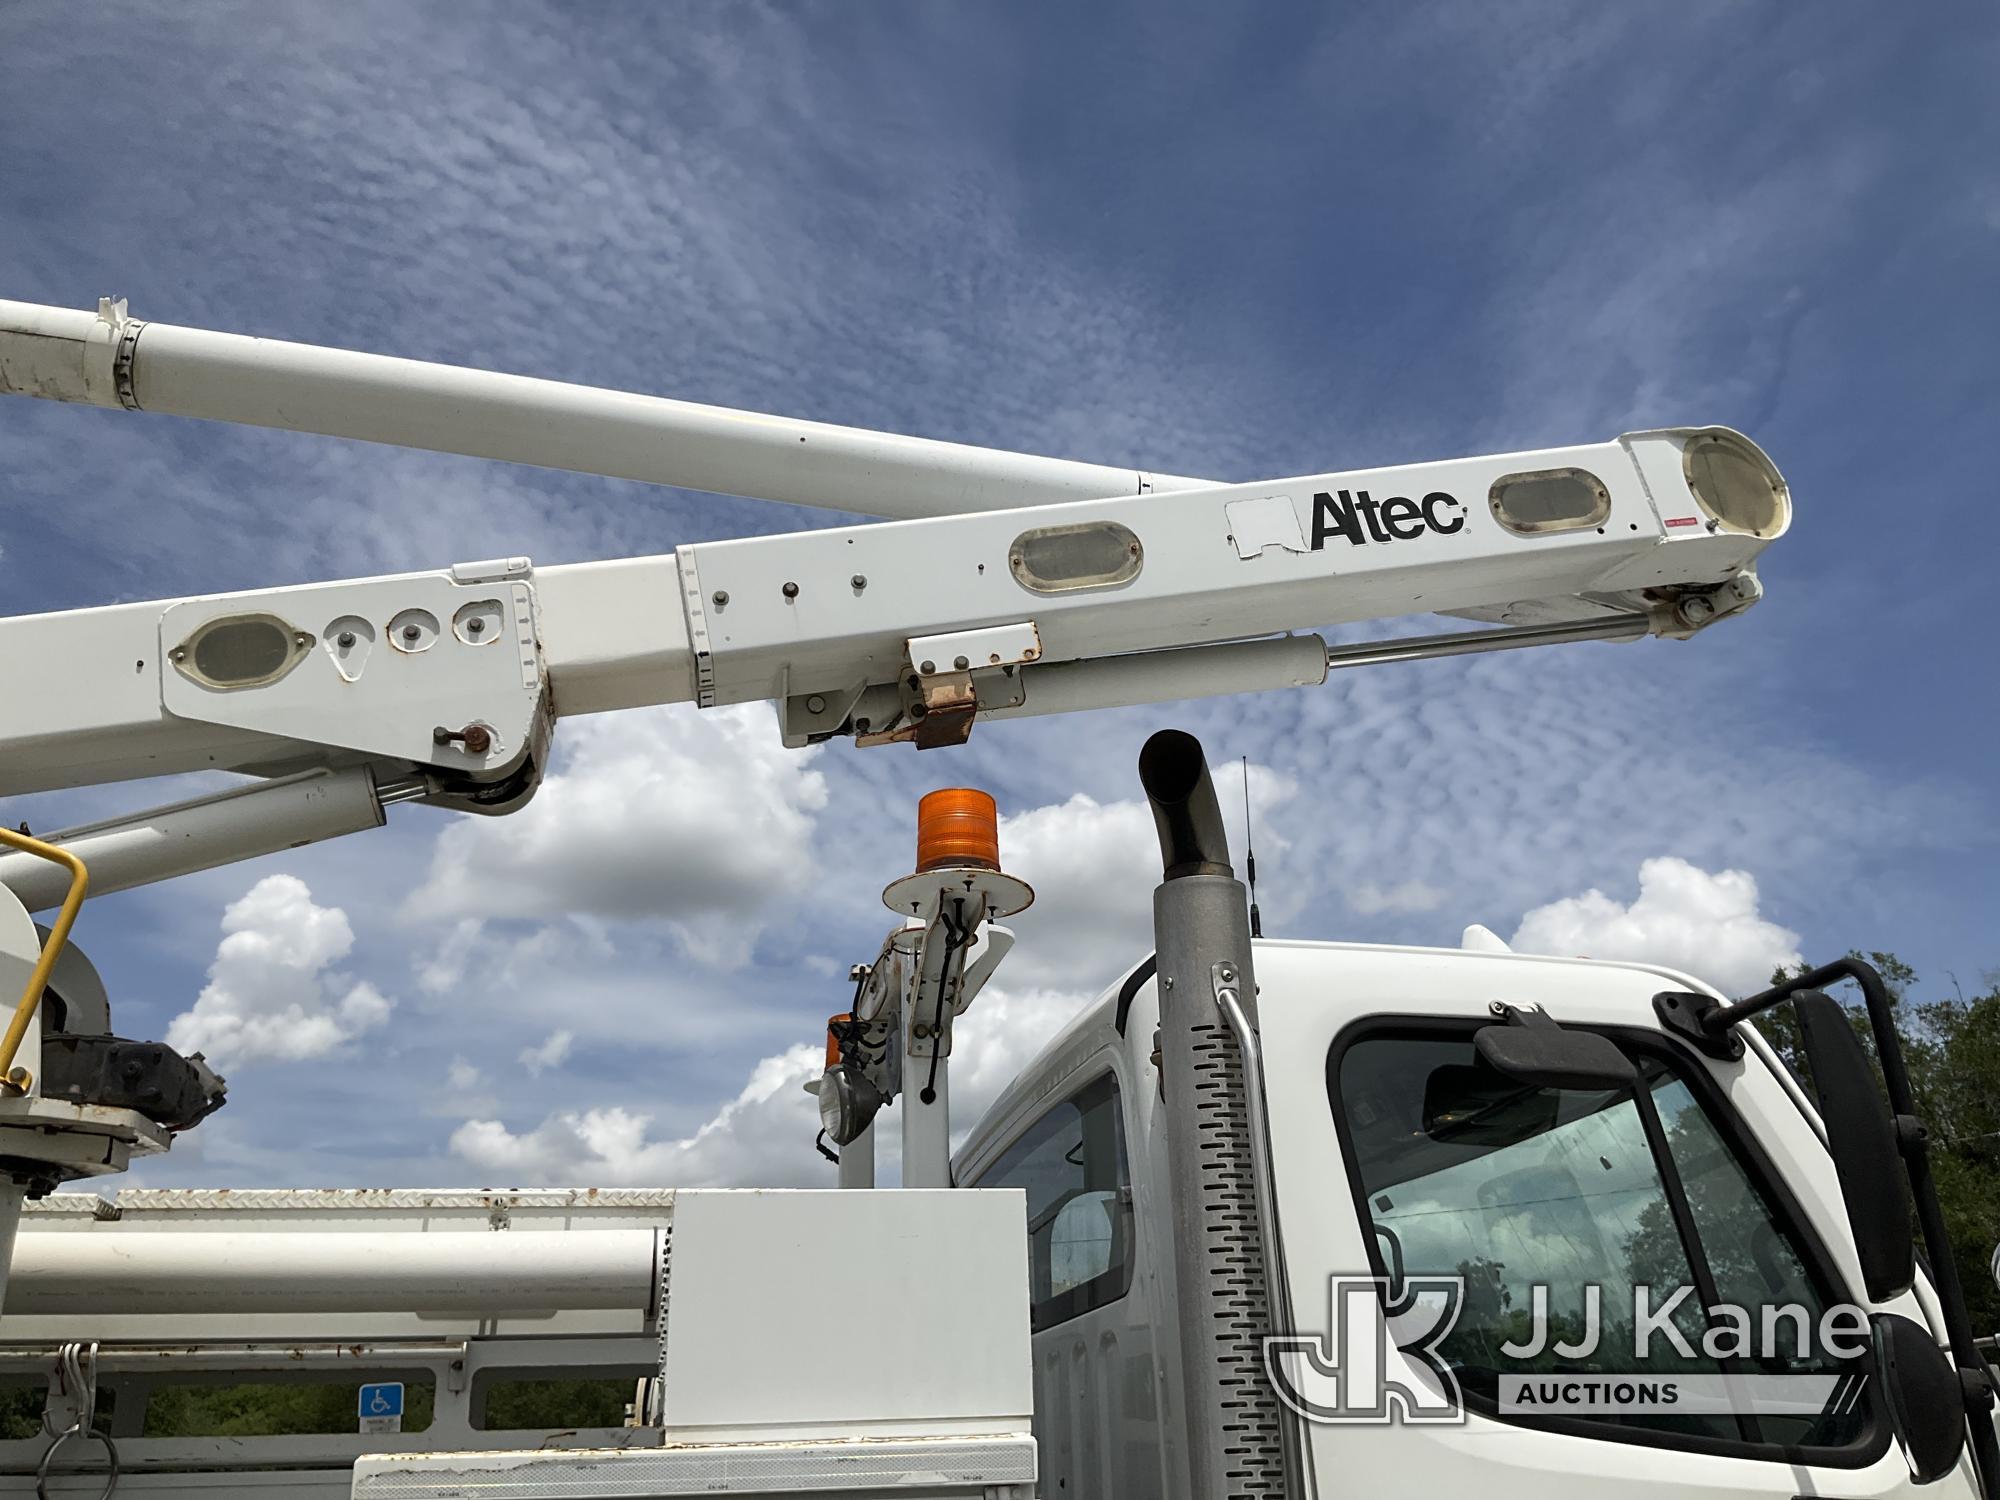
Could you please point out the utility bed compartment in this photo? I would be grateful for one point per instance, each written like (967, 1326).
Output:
(794, 1342)
(857, 1343)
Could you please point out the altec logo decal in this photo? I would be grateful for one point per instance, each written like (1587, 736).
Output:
(1362, 519)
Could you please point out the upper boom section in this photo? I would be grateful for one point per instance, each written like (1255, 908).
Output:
(109, 359)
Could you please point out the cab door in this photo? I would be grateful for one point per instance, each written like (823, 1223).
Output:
(1395, 1157)
(1096, 1413)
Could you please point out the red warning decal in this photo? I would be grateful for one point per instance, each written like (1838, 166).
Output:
(1683, 521)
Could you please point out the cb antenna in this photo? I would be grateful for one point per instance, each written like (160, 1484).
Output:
(1250, 856)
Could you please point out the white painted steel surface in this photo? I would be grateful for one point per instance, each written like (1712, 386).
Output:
(94, 694)
(12, 1197)
(64, 354)
(198, 1209)
(758, 1281)
(983, 1468)
(940, 1408)
(1311, 993)
(1107, 1413)
(952, 574)
(470, 1242)
(20, 950)
(198, 834)
(1109, 1408)
(108, 1274)
(779, 617)
(326, 1218)
(1285, 661)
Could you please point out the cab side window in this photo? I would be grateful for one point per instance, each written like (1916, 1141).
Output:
(1072, 1164)
(1521, 1192)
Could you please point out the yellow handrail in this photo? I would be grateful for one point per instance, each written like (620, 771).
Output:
(18, 1079)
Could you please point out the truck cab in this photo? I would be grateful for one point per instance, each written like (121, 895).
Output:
(1397, 1156)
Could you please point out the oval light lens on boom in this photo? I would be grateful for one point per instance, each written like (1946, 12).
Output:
(1736, 485)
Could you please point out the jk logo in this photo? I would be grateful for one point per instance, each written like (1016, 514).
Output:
(1361, 518)
(1379, 1363)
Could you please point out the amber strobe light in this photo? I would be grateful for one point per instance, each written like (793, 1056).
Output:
(957, 826)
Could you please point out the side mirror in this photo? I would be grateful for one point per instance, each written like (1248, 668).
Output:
(1862, 1140)
(1925, 1400)
(1535, 1050)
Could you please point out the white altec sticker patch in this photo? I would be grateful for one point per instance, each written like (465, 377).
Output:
(1265, 521)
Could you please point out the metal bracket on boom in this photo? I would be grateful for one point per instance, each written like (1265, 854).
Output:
(940, 689)
(943, 711)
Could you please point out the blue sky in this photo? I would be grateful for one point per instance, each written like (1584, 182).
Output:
(1237, 241)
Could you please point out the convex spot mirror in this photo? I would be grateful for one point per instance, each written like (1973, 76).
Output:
(1861, 1138)
(1926, 1403)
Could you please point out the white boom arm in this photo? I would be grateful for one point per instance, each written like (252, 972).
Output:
(109, 359)
(444, 685)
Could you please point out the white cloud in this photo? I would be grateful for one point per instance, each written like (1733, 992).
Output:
(464, 1095)
(1684, 917)
(763, 1137)
(272, 992)
(1094, 865)
(1370, 899)
(551, 1053)
(1000, 1035)
(445, 968)
(698, 819)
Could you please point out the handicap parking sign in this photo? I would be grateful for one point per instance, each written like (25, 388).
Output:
(380, 1407)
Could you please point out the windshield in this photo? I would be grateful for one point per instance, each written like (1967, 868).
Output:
(1541, 1200)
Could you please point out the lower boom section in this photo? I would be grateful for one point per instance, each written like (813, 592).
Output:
(904, 630)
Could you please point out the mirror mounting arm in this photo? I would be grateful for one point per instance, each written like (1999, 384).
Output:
(1710, 1026)
(1691, 1017)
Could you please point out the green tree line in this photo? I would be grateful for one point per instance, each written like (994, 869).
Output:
(270, 1407)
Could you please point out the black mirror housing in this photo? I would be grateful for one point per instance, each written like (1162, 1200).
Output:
(1925, 1399)
(1861, 1137)
(1535, 1050)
